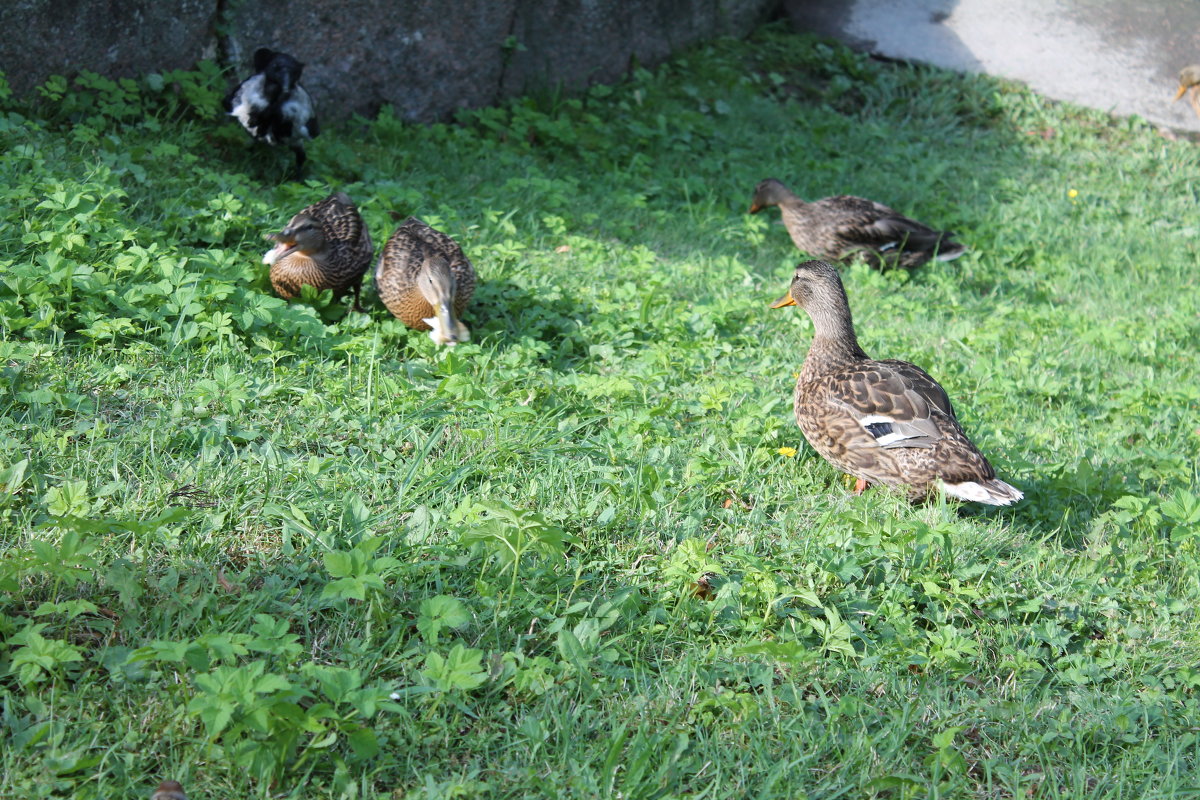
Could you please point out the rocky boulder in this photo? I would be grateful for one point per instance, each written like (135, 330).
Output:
(426, 58)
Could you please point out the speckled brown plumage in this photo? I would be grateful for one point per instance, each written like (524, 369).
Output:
(169, 790)
(883, 422)
(325, 246)
(846, 227)
(419, 268)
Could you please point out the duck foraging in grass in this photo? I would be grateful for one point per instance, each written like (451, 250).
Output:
(847, 227)
(169, 790)
(426, 281)
(325, 246)
(272, 105)
(883, 422)
(1189, 84)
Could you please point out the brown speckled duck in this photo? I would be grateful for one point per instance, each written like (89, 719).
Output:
(169, 790)
(847, 227)
(325, 246)
(425, 281)
(1189, 83)
(881, 421)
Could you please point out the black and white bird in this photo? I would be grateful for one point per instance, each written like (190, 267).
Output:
(272, 105)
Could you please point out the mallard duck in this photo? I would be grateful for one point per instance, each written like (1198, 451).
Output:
(425, 281)
(881, 421)
(325, 246)
(272, 105)
(846, 227)
(169, 790)
(1189, 83)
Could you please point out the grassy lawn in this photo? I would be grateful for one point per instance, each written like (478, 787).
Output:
(273, 549)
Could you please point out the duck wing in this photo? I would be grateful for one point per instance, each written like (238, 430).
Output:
(874, 224)
(861, 224)
(886, 405)
(348, 238)
(435, 243)
(896, 407)
(433, 240)
(922, 383)
(402, 256)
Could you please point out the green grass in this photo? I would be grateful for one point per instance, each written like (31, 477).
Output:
(275, 549)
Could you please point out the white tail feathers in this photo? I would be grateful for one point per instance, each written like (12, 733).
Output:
(272, 255)
(951, 251)
(994, 492)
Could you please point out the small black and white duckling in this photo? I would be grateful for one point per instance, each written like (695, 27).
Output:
(272, 105)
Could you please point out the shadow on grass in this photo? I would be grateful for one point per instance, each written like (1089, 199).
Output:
(951, 151)
(509, 312)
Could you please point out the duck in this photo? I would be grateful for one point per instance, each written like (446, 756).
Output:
(169, 790)
(845, 227)
(426, 281)
(885, 422)
(272, 105)
(325, 246)
(1189, 84)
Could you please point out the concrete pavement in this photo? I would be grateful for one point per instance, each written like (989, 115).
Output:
(1121, 56)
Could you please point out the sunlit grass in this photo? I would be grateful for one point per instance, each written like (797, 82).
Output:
(589, 553)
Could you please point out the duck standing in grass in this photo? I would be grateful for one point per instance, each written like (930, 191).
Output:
(425, 281)
(847, 227)
(1189, 84)
(169, 790)
(272, 105)
(881, 421)
(325, 246)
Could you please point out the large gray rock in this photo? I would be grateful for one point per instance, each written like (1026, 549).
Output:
(424, 57)
(122, 38)
(429, 58)
(577, 42)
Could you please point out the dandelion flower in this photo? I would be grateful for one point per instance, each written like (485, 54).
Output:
(789, 452)
(1072, 193)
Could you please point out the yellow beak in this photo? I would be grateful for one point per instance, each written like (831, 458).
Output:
(1179, 94)
(784, 301)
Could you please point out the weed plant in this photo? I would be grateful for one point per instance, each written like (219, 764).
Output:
(288, 550)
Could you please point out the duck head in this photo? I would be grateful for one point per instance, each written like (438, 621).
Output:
(437, 285)
(770, 192)
(817, 288)
(281, 71)
(813, 283)
(303, 234)
(1189, 76)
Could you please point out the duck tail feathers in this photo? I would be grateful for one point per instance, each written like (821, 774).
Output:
(948, 250)
(994, 492)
